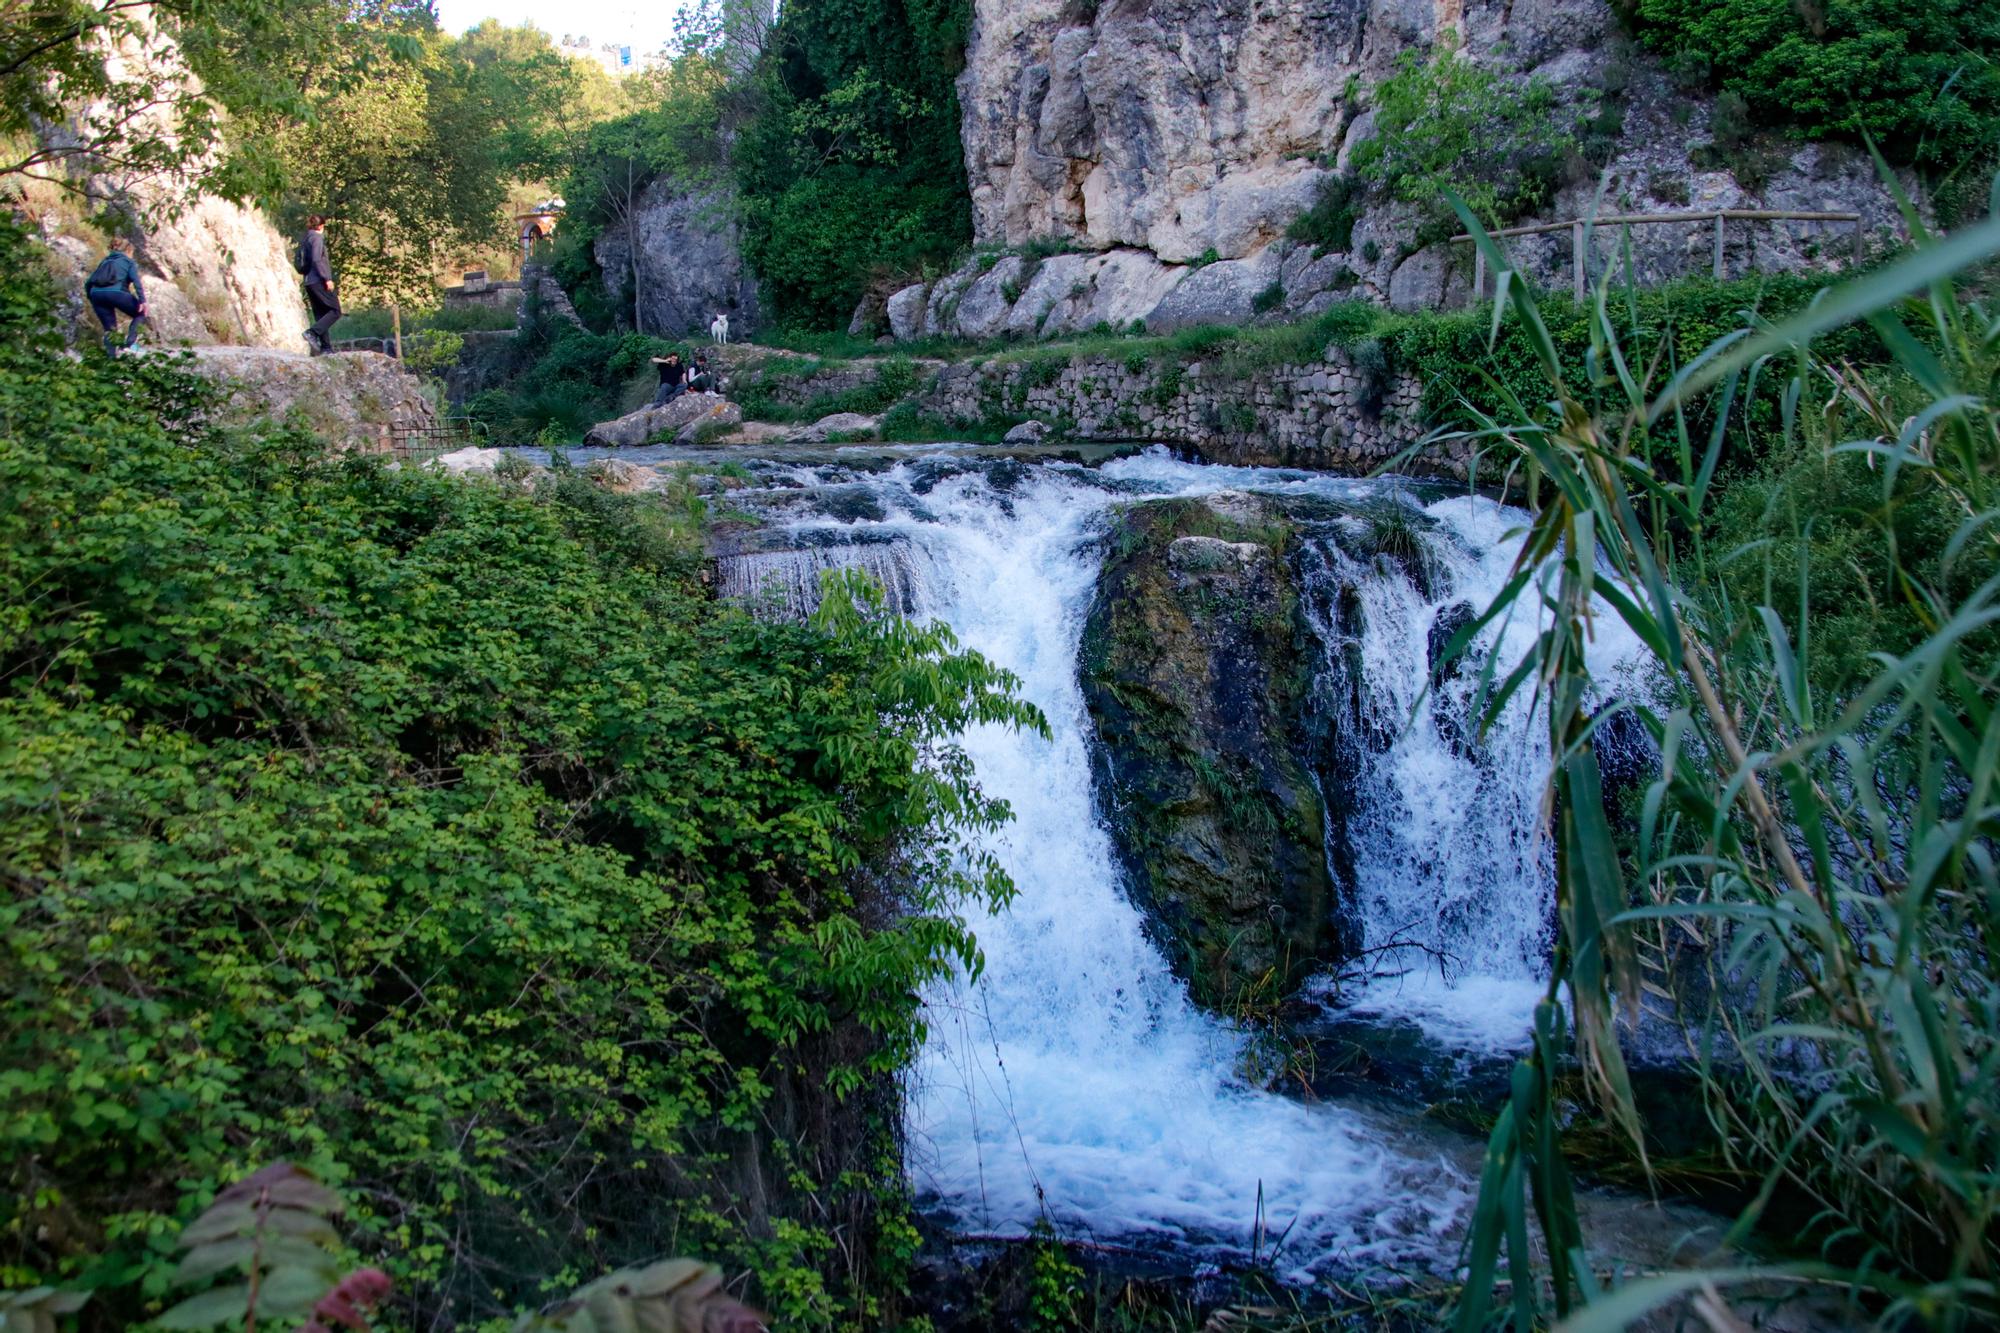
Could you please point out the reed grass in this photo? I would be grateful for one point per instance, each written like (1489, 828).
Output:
(1809, 885)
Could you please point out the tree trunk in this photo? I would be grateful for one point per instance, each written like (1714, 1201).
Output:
(632, 242)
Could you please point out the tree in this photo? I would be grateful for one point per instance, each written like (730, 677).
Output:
(849, 161)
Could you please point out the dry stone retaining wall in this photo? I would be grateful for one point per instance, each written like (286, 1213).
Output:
(1332, 414)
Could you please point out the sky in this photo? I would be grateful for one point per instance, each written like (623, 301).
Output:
(645, 25)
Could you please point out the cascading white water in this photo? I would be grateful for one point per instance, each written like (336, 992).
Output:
(1075, 1081)
(1452, 865)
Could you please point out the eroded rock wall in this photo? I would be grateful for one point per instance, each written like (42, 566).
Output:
(1171, 143)
(214, 271)
(690, 262)
(1177, 126)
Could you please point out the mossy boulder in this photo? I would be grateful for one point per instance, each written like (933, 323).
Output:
(1196, 671)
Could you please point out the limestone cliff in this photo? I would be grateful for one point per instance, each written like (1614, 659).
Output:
(1171, 143)
(215, 271)
(690, 265)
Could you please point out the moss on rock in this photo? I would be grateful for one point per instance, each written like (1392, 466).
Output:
(1196, 667)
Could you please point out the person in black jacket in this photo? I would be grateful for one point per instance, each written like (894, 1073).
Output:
(114, 287)
(673, 378)
(319, 284)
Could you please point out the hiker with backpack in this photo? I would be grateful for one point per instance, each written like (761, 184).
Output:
(114, 287)
(312, 264)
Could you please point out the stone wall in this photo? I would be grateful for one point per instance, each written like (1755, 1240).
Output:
(1341, 413)
(1333, 414)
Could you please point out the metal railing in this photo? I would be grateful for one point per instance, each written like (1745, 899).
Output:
(414, 443)
(1581, 228)
(385, 346)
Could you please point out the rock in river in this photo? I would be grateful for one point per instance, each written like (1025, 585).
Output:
(1195, 673)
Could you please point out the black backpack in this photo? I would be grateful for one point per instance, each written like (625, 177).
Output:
(108, 273)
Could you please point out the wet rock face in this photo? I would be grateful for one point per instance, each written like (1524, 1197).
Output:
(1195, 671)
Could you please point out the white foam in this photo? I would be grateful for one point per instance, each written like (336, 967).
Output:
(1075, 1081)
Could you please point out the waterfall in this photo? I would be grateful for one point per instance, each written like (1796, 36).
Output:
(785, 584)
(1452, 873)
(1075, 1082)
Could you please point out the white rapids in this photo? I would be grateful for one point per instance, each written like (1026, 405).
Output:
(1074, 1082)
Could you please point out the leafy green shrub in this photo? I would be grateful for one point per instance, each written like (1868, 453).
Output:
(1269, 299)
(1329, 224)
(445, 838)
(1446, 125)
(1920, 78)
(432, 351)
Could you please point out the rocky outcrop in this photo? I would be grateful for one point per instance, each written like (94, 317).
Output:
(721, 417)
(836, 426)
(214, 271)
(1176, 127)
(351, 400)
(653, 425)
(1196, 681)
(1174, 143)
(690, 262)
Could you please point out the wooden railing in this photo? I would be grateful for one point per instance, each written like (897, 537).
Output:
(1581, 228)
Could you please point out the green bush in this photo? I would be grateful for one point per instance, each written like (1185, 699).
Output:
(850, 163)
(1446, 125)
(1921, 78)
(1329, 223)
(444, 837)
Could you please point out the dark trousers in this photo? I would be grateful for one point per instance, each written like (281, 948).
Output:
(107, 302)
(326, 310)
(667, 394)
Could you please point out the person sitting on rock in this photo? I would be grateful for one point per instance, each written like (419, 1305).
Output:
(114, 286)
(673, 378)
(700, 378)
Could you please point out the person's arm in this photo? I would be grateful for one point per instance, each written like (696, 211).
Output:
(138, 287)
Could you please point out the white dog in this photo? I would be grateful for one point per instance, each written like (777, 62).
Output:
(719, 330)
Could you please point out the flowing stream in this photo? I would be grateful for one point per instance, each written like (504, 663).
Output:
(1074, 1082)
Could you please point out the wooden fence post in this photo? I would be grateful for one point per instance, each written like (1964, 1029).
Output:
(1860, 240)
(1718, 245)
(396, 323)
(1478, 273)
(1576, 261)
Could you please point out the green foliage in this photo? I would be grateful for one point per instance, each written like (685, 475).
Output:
(1467, 372)
(850, 161)
(432, 351)
(272, 1229)
(1445, 126)
(1329, 223)
(1807, 870)
(446, 838)
(1920, 78)
(412, 139)
(1055, 1287)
